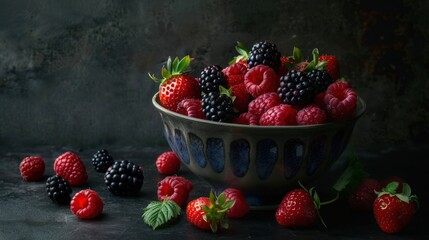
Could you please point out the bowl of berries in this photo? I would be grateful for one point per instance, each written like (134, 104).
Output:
(262, 124)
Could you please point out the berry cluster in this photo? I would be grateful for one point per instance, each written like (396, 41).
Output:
(262, 87)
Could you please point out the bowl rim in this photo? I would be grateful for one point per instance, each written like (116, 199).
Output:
(360, 110)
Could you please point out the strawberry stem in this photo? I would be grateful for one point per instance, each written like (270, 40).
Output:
(332, 200)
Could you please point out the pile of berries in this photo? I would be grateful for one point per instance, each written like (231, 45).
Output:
(260, 87)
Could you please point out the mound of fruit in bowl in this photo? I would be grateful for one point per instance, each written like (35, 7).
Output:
(261, 123)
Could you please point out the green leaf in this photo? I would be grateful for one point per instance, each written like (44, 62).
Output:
(158, 213)
(297, 55)
(351, 177)
(165, 73)
(391, 187)
(406, 189)
(183, 64)
(169, 69)
(175, 66)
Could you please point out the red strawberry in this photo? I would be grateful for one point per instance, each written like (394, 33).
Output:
(261, 79)
(263, 102)
(280, 115)
(340, 100)
(71, 168)
(32, 168)
(332, 67)
(362, 198)
(392, 210)
(235, 74)
(241, 97)
(209, 213)
(174, 188)
(86, 204)
(311, 114)
(174, 85)
(297, 209)
(191, 107)
(246, 119)
(241, 207)
(168, 163)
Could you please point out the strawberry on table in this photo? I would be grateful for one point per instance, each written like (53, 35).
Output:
(393, 210)
(175, 85)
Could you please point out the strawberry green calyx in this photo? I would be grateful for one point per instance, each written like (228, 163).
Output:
(174, 67)
(404, 196)
(216, 212)
(315, 64)
(243, 54)
(227, 92)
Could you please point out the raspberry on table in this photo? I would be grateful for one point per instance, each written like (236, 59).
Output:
(280, 115)
(86, 204)
(32, 168)
(311, 114)
(168, 163)
(174, 188)
(191, 107)
(58, 190)
(124, 178)
(246, 118)
(261, 79)
(264, 102)
(71, 168)
(340, 100)
(102, 160)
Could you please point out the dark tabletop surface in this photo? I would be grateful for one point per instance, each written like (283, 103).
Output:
(26, 212)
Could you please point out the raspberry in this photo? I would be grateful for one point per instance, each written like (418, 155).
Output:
(86, 204)
(261, 79)
(58, 190)
(264, 102)
(340, 100)
(102, 160)
(32, 168)
(311, 114)
(124, 178)
(71, 168)
(242, 97)
(235, 74)
(168, 163)
(362, 198)
(174, 188)
(191, 107)
(246, 119)
(241, 207)
(280, 115)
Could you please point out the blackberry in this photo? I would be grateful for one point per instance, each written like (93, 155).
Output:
(217, 107)
(320, 79)
(296, 88)
(102, 160)
(211, 78)
(124, 178)
(58, 190)
(265, 53)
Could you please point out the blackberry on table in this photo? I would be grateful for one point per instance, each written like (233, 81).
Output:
(58, 190)
(321, 79)
(124, 178)
(218, 107)
(211, 78)
(102, 160)
(296, 88)
(265, 53)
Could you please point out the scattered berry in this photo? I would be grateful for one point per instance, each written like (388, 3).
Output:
(174, 188)
(311, 114)
(340, 100)
(296, 88)
(261, 79)
(392, 210)
(209, 212)
(280, 115)
(86, 204)
(71, 168)
(102, 160)
(124, 178)
(362, 198)
(234, 74)
(211, 79)
(246, 119)
(168, 163)
(32, 168)
(264, 53)
(241, 207)
(263, 102)
(191, 107)
(218, 106)
(332, 67)
(58, 190)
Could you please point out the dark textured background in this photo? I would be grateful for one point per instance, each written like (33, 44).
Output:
(75, 72)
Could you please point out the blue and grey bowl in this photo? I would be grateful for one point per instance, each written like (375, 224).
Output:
(263, 162)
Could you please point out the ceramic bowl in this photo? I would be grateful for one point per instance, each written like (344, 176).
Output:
(263, 162)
